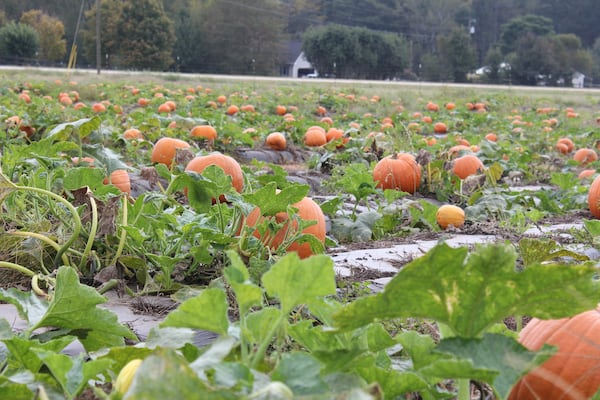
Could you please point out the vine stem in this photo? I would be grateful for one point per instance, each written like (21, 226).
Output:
(69, 206)
(45, 239)
(17, 267)
(93, 230)
(123, 233)
(262, 349)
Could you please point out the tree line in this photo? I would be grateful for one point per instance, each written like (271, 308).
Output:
(518, 41)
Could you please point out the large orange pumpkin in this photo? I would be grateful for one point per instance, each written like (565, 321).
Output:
(467, 165)
(228, 164)
(120, 179)
(308, 210)
(398, 171)
(573, 372)
(585, 156)
(594, 197)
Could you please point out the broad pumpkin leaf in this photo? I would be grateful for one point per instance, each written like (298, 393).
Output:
(83, 127)
(206, 311)
(76, 178)
(471, 292)
(296, 281)
(166, 375)
(301, 373)
(74, 307)
(258, 324)
(24, 353)
(535, 251)
(272, 202)
(10, 389)
(29, 306)
(73, 373)
(497, 353)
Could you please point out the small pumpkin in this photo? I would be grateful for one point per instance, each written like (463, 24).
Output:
(398, 171)
(165, 148)
(232, 110)
(132, 134)
(585, 156)
(440, 127)
(570, 146)
(450, 215)
(308, 210)
(126, 375)
(228, 164)
(467, 165)
(594, 197)
(120, 179)
(573, 372)
(276, 141)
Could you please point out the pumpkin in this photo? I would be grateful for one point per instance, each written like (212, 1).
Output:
(573, 372)
(467, 165)
(132, 134)
(440, 127)
(565, 141)
(232, 110)
(228, 164)
(280, 110)
(315, 136)
(586, 173)
(204, 131)
(585, 156)
(308, 210)
(120, 179)
(492, 137)
(431, 106)
(594, 197)
(126, 375)
(398, 171)
(164, 150)
(164, 108)
(276, 141)
(449, 214)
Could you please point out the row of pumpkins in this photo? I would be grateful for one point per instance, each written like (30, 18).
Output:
(572, 373)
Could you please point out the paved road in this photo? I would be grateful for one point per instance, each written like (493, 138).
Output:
(588, 91)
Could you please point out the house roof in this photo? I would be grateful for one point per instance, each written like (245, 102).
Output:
(291, 50)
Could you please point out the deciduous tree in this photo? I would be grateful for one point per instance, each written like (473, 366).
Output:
(51, 33)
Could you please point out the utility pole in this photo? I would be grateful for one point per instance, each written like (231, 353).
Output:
(98, 49)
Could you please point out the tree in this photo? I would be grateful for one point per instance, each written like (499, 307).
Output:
(570, 56)
(493, 60)
(244, 37)
(522, 26)
(146, 35)
(136, 35)
(533, 60)
(458, 54)
(355, 52)
(18, 41)
(51, 31)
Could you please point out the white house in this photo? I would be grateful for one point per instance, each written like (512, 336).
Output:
(294, 63)
(577, 79)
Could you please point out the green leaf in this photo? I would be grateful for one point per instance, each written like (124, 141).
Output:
(6, 187)
(498, 353)
(25, 353)
(29, 306)
(73, 373)
(165, 375)
(247, 294)
(535, 251)
(74, 306)
(83, 127)
(301, 373)
(296, 281)
(233, 375)
(76, 178)
(272, 202)
(172, 338)
(214, 355)
(206, 311)
(359, 230)
(14, 390)
(258, 323)
(470, 294)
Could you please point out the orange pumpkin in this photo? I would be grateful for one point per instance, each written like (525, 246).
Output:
(280, 110)
(228, 164)
(594, 197)
(232, 110)
(398, 171)
(315, 136)
(585, 156)
(449, 214)
(165, 148)
(204, 131)
(467, 165)
(573, 372)
(308, 210)
(568, 143)
(120, 179)
(276, 141)
(132, 134)
(440, 127)
(586, 173)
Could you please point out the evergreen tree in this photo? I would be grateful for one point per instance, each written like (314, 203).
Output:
(18, 41)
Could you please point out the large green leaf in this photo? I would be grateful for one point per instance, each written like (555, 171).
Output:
(272, 201)
(83, 127)
(247, 294)
(74, 307)
(24, 353)
(470, 294)
(301, 373)
(497, 353)
(296, 281)
(29, 306)
(166, 375)
(206, 311)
